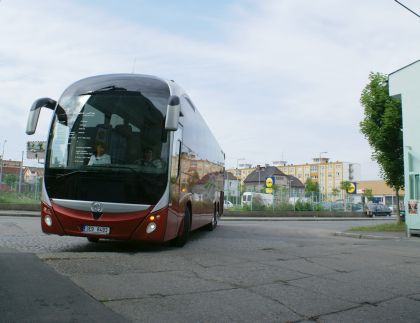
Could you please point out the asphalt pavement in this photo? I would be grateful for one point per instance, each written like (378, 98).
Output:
(30, 290)
(356, 235)
(248, 271)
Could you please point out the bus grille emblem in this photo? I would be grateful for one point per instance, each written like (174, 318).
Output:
(96, 208)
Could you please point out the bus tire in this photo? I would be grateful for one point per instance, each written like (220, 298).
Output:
(91, 239)
(182, 239)
(213, 224)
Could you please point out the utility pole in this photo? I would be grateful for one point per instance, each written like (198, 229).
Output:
(239, 180)
(2, 159)
(20, 174)
(319, 176)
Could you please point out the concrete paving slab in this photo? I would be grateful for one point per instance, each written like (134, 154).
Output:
(391, 280)
(400, 309)
(139, 285)
(352, 292)
(235, 305)
(302, 301)
(251, 274)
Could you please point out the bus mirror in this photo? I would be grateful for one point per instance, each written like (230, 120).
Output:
(172, 113)
(34, 113)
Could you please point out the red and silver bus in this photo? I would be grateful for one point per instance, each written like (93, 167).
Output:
(128, 157)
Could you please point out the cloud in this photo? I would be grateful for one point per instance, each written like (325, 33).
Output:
(282, 78)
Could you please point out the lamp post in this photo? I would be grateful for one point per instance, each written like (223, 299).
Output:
(319, 176)
(2, 159)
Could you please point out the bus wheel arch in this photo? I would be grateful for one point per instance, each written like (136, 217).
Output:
(184, 235)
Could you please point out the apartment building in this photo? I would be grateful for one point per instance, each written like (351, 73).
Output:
(328, 174)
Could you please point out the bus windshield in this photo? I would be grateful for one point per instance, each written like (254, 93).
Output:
(110, 146)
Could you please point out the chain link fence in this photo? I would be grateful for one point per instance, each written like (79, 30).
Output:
(284, 199)
(14, 192)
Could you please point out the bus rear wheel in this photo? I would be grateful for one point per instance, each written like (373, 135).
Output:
(182, 239)
(213, 224)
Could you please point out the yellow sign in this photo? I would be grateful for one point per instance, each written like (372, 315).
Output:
(269, 182)
(269, 190)
(351, 189)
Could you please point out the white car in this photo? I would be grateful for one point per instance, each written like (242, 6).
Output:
(227, 204)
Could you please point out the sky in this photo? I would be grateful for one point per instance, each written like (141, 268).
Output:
(274, 79)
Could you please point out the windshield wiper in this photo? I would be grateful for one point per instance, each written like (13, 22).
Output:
(111, 167)
(59, 176)
(111, 88)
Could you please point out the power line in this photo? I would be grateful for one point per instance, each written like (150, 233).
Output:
(407, 8)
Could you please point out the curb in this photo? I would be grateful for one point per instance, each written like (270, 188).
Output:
(366, 236)
(20, 213)
(228, 218)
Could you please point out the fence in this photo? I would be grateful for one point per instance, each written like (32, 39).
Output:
(293, 200)
(24, 193)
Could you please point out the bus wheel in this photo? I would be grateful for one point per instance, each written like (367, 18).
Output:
(182, 239)
(90, 239)
(213, 224)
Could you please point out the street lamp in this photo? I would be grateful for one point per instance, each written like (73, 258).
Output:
(2, 159)
(319, 176)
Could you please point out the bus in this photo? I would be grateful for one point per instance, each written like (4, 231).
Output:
(128, 157)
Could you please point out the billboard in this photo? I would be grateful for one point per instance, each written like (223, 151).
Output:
(36, 149)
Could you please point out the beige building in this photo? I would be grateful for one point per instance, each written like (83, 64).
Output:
(381, 192)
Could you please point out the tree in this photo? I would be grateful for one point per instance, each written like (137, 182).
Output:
(10, 179)
(381, 126)
(311, 188)
(335, 191)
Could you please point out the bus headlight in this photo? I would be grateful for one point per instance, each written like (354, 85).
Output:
(48, 220)
(151, 227)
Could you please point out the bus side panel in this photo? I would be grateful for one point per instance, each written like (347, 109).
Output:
(202, 165)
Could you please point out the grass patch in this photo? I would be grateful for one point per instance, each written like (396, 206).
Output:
(386, 227)
(13, 197)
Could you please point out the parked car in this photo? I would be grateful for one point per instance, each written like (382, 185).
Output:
(227, 204)
(375, 209)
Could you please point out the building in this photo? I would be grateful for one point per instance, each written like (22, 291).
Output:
(31, 174)
(381, 192)
(256, 181)
(232, 188)
(327, 174)
(404, 83)
(10, 171)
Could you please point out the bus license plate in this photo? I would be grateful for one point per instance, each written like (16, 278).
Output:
(95, 229)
